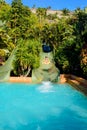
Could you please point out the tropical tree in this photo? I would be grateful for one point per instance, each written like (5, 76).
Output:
(18, 22)
(81, 35)
(68, 37)
(27, 56)
(4, 9)
(41, 13)
(83, 60)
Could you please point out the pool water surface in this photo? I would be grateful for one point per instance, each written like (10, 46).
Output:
(43, 106)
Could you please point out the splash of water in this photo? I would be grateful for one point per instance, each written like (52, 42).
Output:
(46, 86)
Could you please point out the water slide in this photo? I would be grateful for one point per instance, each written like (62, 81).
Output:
(47, 70)
(6, 68)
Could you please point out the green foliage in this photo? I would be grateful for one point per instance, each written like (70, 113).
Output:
(41, 12)
(27, 56)
(18, 23)
(66, 35)
(5, 41)
(84, 68)
(2, 53)
(4, 9)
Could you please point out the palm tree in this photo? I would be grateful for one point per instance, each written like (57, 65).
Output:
(27, 56)
(41, 13)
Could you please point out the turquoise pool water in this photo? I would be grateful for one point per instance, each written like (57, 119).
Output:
(42, 107)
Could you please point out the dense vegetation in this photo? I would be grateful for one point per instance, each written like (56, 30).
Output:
(67, 35)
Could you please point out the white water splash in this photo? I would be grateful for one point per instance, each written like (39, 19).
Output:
(46, 87)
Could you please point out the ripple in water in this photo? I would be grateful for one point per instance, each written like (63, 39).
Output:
(45, 106)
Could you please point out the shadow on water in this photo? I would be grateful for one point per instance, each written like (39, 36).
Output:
(66, 120)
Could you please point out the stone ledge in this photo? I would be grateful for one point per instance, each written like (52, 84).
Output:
(80, 80)
(63, 79)
(29, 79)
(78, 83)
(20, 79)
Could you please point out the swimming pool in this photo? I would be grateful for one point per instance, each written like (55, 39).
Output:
(43, 106)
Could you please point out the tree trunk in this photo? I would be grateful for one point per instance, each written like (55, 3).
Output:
(29, 69)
